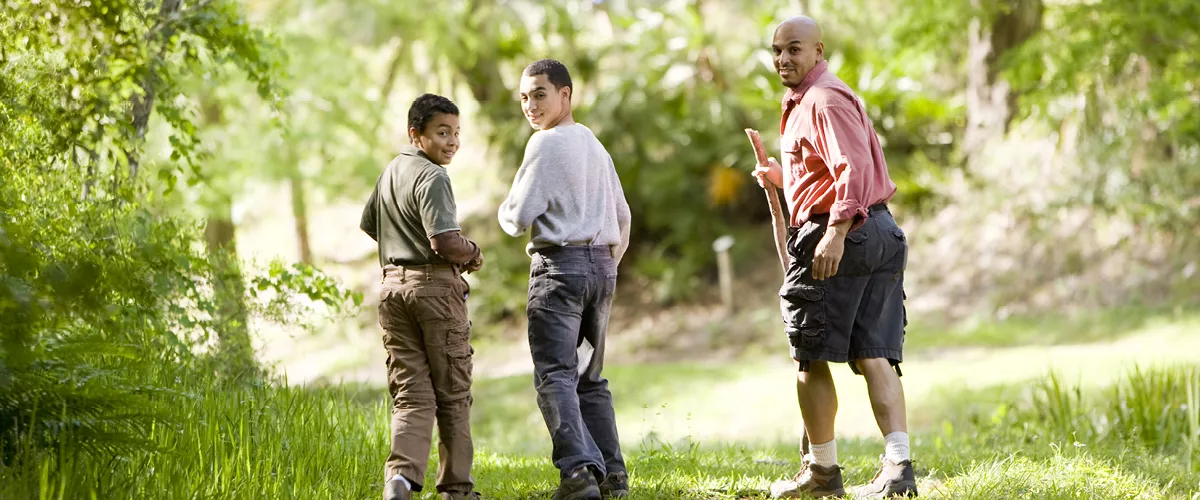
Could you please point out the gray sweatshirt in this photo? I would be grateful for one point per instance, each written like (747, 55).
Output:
(567, 193)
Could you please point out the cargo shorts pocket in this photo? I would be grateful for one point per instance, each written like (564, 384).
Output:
(857, 254)
(806, 317)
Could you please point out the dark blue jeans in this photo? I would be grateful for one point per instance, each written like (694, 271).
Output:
(570, 295)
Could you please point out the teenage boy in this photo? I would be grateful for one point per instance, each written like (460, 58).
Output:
(567, 195)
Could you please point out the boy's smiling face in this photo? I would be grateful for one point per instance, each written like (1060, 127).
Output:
(439, 141)
(543, 104)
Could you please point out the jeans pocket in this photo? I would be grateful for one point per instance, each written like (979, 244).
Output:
(558, 292)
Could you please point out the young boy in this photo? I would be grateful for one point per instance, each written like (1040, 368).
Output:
(568, 196)
(422, 305)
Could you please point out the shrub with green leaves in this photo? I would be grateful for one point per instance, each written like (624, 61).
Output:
(111, 308)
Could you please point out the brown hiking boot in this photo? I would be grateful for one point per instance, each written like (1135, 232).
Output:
(812, 479)
(615, 485)
(893, 479)
(579, 485)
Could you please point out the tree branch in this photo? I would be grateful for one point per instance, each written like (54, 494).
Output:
(143, 104)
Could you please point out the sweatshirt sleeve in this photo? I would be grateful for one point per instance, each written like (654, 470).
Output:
(531, 190)
(624, 216)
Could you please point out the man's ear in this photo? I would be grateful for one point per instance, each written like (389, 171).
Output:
(565, 92)
(821, 49)
(413, 134)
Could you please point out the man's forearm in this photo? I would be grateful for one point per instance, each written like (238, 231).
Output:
(621, 248)
(840, 228)
(453, 247)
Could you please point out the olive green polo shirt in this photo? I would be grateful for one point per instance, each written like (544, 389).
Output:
(411, 203)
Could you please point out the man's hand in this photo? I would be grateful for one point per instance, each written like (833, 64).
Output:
(772, 172)
(830, 250)
(474, 265)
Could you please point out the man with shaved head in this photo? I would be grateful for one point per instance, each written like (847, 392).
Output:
(843, 292)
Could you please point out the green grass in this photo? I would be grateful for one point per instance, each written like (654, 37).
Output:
(330, 442)
(1000, 427)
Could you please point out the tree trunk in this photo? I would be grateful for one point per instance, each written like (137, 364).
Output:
(143, 104)
(235, 353)
(991, 102)
(300, 213)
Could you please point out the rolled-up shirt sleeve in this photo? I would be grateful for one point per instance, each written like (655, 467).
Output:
(843, 144)
(454, 247)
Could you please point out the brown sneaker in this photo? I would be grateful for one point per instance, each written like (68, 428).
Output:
(893, 479)
(812, 479)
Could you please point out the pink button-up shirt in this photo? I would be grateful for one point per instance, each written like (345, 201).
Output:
(832, 160)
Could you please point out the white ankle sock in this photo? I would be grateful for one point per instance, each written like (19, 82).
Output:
(896, 447)
(825, 454)
(402, 479)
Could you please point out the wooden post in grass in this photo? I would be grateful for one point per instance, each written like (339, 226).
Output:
(725, 271)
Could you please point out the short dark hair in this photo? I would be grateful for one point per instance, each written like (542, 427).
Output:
(555, 71)
(424, 107)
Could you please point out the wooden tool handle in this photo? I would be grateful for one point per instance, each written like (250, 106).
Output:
(777, 221)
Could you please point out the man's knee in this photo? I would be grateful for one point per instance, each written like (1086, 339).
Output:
(559, 378)
(867, 366)
(454, 411)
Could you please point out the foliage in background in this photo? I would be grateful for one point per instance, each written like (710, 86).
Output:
(668, 89)
(117, 117)
(111, 310)
(1123, 77)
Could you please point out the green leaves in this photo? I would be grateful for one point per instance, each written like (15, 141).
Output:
(1130, 63)
(105, 298)
(288, 282)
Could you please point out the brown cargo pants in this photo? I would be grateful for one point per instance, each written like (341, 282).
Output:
(423, 312)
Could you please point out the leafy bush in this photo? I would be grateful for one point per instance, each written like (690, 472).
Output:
(111, 308)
